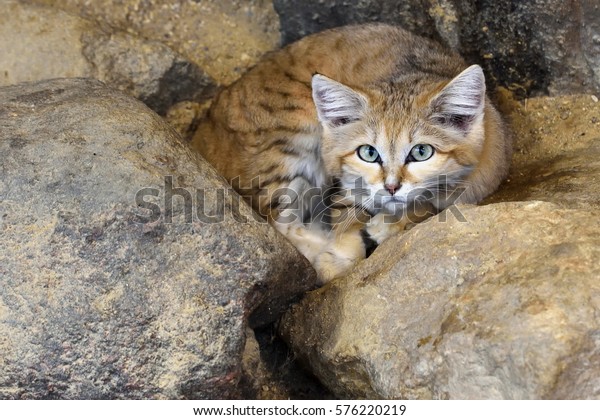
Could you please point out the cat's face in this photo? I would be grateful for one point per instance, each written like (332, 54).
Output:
(392, 149)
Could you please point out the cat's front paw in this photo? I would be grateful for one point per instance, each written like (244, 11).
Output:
(382, 226)
(341, 254)
(329, 266)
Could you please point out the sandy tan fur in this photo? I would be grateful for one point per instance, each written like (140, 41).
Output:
(265, 127)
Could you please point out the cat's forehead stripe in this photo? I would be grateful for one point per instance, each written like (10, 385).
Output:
(384, 145)
(393, 137)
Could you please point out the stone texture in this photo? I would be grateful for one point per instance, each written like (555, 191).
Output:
(99, 298)
(297, 20)
(39, 42)
(546, 46)
(504, 305)
(556, 153)
(223, 37)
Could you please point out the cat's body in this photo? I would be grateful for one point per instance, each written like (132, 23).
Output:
(369, 104)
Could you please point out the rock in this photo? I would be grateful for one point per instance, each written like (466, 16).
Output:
(297, 20)
(108, 288)
(222, 37)
(556, 153)
(541, 47)
(61, 45)
(501, 304)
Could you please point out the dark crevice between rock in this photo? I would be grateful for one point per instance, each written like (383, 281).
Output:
(182, 82)
(275, 371)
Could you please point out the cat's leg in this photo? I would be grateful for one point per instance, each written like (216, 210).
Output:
(332, 252)
(331, 255)
(293, 209)
(308, 242)
(385, 225)
(345, 246)
(341, 253)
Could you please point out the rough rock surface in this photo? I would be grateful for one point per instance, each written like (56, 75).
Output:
(546, 46)
(40, 42)
(556, 153)
(504, 305)
(99, 298)
(223, 37)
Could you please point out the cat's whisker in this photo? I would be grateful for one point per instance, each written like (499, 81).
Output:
(351, 219)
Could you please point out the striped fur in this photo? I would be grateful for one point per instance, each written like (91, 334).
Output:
(297, 119)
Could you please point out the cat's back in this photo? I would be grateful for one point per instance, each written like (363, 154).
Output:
(362, 55)
(355, 55)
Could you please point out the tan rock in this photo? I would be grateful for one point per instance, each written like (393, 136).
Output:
(39, 42)
(556, 152)
(223, 37)
(504, 305)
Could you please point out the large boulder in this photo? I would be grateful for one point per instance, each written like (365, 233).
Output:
(128, 268)
(546, 46)
(496, 301)
(39, 42)
(499, 302)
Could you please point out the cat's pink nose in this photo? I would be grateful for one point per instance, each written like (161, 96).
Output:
(392, 188)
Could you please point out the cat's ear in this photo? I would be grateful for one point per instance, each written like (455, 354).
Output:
(459, 105)
(336, 103)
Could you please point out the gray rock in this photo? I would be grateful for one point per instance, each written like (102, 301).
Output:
(270, 372)
(547, 46)
(39, 43)
(108, 294)
(504, 305)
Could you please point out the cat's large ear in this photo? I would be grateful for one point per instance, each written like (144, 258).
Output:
(336, 103)
(460, 103)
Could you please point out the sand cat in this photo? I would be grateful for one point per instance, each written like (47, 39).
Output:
(329, 134)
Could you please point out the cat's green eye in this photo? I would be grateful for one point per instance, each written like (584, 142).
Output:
(420, 153)
(368, 153)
